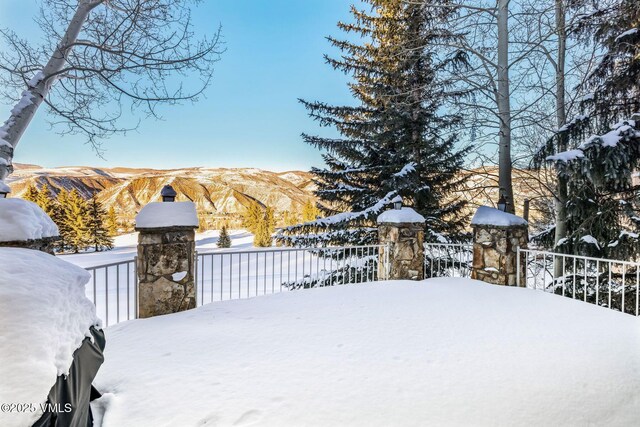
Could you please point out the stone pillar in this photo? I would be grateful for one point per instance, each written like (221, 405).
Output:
(166, 258)
(403, 231)
(496, 238)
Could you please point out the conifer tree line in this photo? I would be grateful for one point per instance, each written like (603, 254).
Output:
(83, 224)
(260, 221)
(553, 85)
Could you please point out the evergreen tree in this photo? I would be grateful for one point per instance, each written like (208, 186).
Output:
(31, 194)
(603, 210)
(45, 200)
(98, 233)
(395, 141)
(224, 241)
(76, 220)
(252, 216)
(59, 217)
(309, 211)
(112, 222)
(261, 222)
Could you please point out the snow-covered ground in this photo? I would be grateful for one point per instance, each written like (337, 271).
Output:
(125, 247)
(438, 352)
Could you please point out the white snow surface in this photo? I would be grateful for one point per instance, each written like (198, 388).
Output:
(439, 352)
(24, 220)
(44, 317)
(4, 187)
(167, 214)
(627, 33)
(567, 156)
(486, 215)
(398, 216)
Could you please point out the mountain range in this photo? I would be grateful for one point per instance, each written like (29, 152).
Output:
(219, 194)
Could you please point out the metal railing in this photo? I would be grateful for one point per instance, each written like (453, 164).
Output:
(224, 275)
(113, 290)
(605, 282)
(447, 259)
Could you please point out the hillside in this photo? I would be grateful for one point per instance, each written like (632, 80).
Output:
(220, 194)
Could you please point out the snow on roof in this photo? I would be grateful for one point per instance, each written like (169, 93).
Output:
(400, 216)
(437, 352)
(45, 316)
(24, 220)
(167, 214)
(486, 215)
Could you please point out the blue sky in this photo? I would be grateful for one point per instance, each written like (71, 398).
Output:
(250, 117)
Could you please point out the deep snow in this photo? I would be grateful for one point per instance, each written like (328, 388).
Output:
(24, 220)
(44, 317)
(167, 214)
(438, 352)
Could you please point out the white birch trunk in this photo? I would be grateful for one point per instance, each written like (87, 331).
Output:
(38, 89)
(504, 106)
(561, 119)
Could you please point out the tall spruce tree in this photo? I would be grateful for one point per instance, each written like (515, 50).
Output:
(395, 141)
(98, 233)
(112, 222)
(603, 208)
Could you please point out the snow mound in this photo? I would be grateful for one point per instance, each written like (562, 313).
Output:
(167, 214)
(439, 352)
(44, 317)
(24, 220)
(486, 215)
(399, 216)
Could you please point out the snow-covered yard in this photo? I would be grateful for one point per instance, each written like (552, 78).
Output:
(125, 247)
(438, 352)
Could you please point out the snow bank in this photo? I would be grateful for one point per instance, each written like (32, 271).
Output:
(398, 216)
(4, 188)
(24, 220)
(438, 352)
(44, 317)
(486, 215)
(167, 214)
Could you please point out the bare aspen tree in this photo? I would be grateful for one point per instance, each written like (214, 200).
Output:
(101, 57)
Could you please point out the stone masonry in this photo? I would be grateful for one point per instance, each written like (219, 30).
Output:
(45, 244)
(405, 242)
(166, 270)
(495, 252)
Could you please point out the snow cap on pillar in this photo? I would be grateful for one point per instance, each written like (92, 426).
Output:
(400, 214)
(159, 215)
(4, 189)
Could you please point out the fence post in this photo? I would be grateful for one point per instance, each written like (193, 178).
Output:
(166, 256)
(497, 238)
(401, 230)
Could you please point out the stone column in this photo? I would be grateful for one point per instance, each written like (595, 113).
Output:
(403, 231)
(496, 238)
(166, 258)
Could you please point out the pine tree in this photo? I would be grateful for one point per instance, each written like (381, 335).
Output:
(395, 141)
(112, 222)
(224, 241)
(76, 220)
(45, 200)
(31, 194)
(603, 210)
(252, 216)
(309, 211)
(98, 233)
(59, 217)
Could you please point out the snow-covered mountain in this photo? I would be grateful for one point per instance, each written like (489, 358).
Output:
(218, 193)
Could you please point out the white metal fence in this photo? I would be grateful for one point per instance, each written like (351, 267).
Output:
(224, 275)
(113, 290)
(447, 259)
(605, 282)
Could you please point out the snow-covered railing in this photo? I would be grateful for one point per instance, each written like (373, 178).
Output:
(605, 282)
(225, 275)
(447, 259)
(113, 290)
